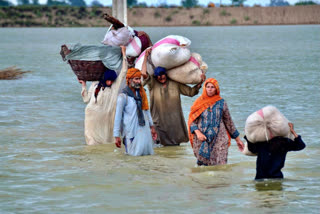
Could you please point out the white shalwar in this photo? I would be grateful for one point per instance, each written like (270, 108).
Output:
(99, 116)
(138, 139)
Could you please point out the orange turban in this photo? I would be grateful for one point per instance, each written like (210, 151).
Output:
(132, 73)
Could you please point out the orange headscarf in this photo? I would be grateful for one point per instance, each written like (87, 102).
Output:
(132, 73)
(202, 103)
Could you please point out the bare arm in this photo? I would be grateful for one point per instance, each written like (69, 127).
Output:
(144, 64)
(116, 85)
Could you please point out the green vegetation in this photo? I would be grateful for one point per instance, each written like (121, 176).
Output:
(233, 21)
(168, 19)
(157, 14)
(196, 22)
(246, 18)
(306, 3)
(206, 11)
(224, 13)
(189, 3)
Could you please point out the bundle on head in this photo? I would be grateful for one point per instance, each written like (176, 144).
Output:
(265, 124)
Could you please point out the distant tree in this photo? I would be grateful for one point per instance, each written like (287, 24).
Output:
(189, 3)
(56, 3)
(96, 3)
(131, 3)
(5, 3)
(35, 2)
(78, 3)
(275, 3)
(305, 3)
(142, 4)
(237, 2)
(23, 2)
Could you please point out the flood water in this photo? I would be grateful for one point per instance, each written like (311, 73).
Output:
(45, 166)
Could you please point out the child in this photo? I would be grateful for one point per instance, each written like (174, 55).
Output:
(272, 154)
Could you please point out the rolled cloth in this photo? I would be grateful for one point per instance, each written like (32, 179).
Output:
(132, 73)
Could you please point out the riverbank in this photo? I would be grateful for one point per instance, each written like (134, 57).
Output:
(61, 16)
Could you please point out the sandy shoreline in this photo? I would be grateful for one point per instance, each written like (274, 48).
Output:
(44, 16)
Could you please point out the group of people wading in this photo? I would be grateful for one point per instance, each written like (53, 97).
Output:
(122, 115)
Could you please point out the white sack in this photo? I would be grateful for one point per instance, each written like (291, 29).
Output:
(265, 124)
(119, 37)
(134, 47)
(189, 72)
(168, 52)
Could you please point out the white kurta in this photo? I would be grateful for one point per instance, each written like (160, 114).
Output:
(99, 116)
(138, 139)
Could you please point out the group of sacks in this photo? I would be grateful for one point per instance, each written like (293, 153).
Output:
(265, 124)
(171, 52)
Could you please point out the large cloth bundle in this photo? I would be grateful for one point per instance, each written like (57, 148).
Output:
(189, 72)
(88, 62)
(265, 124)
(169, 52)
(122, 36)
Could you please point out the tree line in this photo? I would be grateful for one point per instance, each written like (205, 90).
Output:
(134, 3)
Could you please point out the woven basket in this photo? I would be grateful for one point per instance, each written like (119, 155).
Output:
(87, 70)
(84, 70)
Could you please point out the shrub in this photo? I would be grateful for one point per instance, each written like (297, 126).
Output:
(224, 13)
(168, 19)
(246, 18)
(233, 21)
(196, 22)
(157, 14)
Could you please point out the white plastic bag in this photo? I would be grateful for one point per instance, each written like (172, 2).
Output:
(122, 36)
(189, 72)
(265, 124)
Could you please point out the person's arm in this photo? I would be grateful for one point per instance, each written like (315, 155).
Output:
(231, 128)
(121, 101)
(116, 85)
(144, 72)
(187, 90)
(252, 147)
(84, 93)
(298, 143)
(195, 130)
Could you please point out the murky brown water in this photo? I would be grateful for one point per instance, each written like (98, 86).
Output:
(45, 166)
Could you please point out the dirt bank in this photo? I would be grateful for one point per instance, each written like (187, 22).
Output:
(43, 16)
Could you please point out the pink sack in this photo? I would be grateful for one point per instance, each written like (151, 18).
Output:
(134, 47)
(189, 72)
(265, 124)
(169, 52)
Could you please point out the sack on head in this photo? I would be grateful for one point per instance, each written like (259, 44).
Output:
(265, 124)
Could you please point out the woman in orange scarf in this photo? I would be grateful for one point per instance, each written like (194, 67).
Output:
(211, 127)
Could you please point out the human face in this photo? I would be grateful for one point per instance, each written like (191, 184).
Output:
(135, 82)
(162, 78)
(211, 89)
(109, 83)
